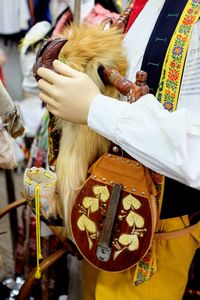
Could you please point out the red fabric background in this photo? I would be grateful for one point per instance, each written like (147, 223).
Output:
(137, 8)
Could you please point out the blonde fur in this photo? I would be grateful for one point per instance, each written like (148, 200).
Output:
(86, 49)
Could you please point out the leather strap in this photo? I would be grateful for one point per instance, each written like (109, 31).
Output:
(173, 234)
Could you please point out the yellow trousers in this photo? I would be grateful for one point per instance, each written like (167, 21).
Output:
(174, 257)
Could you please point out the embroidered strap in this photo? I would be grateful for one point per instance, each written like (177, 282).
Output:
(167, 94)
(170, 82)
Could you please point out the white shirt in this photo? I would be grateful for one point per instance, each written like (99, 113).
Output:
(168, 143)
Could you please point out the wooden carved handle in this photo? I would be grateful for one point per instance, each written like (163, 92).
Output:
(25, 290)
(133, 90)
(122, 21)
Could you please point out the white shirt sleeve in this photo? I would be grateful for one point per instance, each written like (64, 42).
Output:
(168, 143)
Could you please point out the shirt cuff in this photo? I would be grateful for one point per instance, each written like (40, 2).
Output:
(103, 116)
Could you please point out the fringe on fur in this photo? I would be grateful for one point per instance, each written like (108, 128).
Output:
(87, 48)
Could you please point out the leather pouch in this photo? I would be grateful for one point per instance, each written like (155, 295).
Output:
(114, 216)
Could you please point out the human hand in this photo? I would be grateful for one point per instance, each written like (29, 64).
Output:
(67, 95)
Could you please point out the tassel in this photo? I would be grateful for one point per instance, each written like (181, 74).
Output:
(38, 237)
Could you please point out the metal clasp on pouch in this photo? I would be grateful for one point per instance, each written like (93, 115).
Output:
(103, 249)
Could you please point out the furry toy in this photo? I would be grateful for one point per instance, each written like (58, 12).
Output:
(86, 49)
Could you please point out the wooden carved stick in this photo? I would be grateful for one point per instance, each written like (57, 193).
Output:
(132, 90)
(122, 21)
(47, 262)
(77, 11)
(11, 206)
